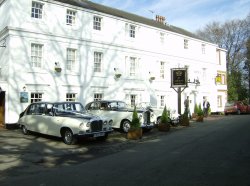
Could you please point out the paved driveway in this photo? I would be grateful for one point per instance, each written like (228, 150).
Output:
(28, 154)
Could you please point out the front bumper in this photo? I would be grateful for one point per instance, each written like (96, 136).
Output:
(94, 134)
(148, 125)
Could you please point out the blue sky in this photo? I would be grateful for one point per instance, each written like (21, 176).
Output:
(188, 14)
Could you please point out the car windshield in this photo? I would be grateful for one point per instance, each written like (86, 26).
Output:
(68, 108)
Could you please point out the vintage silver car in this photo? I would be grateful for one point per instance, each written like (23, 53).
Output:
(68, 120)
(121, 114)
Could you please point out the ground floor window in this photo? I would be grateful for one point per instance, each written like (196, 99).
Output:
(132, 99)
(71, 97)
(219, 101)
(162, 101)
(98, 96)
(35, 97)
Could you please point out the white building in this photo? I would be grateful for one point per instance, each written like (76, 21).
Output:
(57, 50)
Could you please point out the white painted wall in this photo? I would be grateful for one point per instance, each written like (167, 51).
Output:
(116, 47)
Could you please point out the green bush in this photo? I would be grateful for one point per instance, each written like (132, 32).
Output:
(196, 108)
(200, 111)
(135, 123)
(165, 116)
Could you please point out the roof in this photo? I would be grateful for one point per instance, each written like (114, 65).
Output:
(129, 16)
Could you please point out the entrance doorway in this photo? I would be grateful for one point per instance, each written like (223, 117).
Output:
(2, 108)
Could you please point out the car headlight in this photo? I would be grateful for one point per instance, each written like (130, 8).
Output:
(81, 126)
(88, 125)
(111, 122)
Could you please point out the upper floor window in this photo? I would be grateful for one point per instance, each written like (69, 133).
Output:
(162, 70)
(162, 37)
(35, 97)
(98, 96)
(71, 97)
(71, 17)
(203, 48)
(132, 31)
(221, 78)
(37, 10)
(97, 23)
(36, 55)
(133, 66)
(98, 61)
(185, 44)
(71, 59)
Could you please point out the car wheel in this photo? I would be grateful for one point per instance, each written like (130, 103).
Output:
(25, 130)
(68, 137)
(125, 126)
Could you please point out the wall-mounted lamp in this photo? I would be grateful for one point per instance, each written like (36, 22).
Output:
(57, 67)
(117, 73)
(151, 76)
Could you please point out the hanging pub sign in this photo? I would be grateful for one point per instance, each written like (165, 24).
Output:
(24, 97)
(178, 77)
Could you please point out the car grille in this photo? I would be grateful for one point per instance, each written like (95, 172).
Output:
(146, 117)
(96, 125)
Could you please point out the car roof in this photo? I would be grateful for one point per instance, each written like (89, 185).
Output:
(57, 102)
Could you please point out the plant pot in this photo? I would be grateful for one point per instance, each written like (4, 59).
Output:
(163, 127)
(199, 118)
(58, 69)
(134, 134)
(185, 122)
(194, 115)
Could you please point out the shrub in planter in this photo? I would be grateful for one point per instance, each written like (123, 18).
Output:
(184, 118)
(196, 108)
(200, 114)
(164, 124)
(135, 131)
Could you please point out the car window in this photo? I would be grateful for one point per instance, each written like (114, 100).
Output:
(94, 106)
(36, 109)
(68, 108)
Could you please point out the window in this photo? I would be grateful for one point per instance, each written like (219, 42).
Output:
(185, 44)
(162, 101)
(132, 31)
(203, 48)
(219, 101)
(162, 70)
(98, 96)
(71, 97)
(71, 17)
(36, 55)
(97, 21)
(221, 78)
(35, 97)
(162, 37)
(37, 10)
(98, 61)
(71, 59)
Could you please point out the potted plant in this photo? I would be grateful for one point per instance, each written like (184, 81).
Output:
(135, 131)
(200, 114)
(184, 120)
(164, 124)
(196, 108)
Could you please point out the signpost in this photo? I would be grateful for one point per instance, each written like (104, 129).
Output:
(179, 81)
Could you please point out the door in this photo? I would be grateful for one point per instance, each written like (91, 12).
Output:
(2, 108)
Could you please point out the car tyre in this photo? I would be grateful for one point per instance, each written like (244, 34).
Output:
(25, 130)
(68, 137)
(125, 126)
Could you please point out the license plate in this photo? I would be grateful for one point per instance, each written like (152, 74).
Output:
(99, 134)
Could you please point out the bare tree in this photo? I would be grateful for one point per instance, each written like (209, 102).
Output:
(232, 36)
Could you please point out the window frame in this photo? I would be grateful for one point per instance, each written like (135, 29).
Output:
(37, 12)
(132, 31)
(71, 97)
(98, 60)
(71, 63)
(98, 96)
(186, 43)
(36, 55)
(36, 97)
(97, 23)
(71, 17)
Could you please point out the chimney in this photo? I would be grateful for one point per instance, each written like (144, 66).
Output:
(160, 19)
